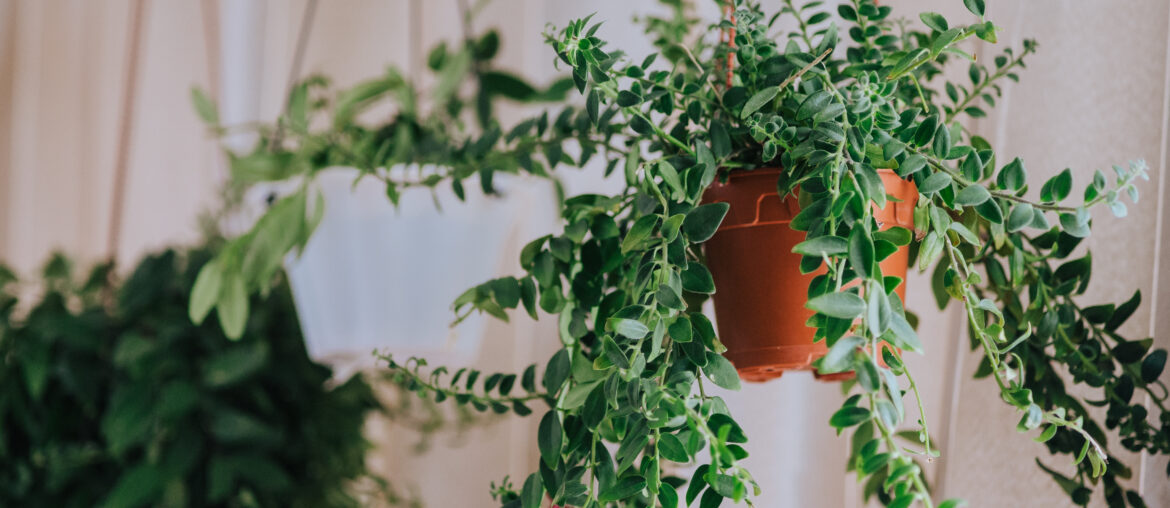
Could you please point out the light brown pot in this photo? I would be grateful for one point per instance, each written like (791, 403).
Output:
(760, 292)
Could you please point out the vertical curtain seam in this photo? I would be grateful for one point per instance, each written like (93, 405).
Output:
(126, 127)
(1159, 232)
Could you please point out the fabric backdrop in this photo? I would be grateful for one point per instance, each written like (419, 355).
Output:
(1096, 94)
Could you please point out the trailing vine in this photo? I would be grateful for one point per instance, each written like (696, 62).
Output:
(626, 277)
(633, 267)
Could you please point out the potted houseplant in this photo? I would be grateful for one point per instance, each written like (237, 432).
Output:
(112, 397)
(363, 182)
(848, 124)
(846, 135)
(761, 309)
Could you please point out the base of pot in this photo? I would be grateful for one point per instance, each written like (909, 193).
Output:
(765, 364)
(767, 373)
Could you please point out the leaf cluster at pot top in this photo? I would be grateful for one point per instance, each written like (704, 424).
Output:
(831, 103)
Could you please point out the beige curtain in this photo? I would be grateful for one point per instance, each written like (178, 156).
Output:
(1096, 94)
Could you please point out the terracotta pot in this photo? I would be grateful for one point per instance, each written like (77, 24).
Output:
(760, 292)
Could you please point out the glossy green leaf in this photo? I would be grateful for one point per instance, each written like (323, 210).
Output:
(549, 439)
(721, 372)
(702, 222)
(822, 246)
(842, 305)
(972, 195)
(849, 416)
(759, 100)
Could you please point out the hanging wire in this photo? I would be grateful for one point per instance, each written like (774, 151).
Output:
(294, 71)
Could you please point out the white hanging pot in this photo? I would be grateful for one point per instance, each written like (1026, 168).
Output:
(376, 277)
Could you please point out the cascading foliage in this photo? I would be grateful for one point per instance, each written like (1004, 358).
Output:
(831, 104)
(626, 276)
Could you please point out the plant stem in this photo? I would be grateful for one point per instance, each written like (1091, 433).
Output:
(978, 90)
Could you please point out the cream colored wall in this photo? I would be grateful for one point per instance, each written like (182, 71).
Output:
(1095, 95)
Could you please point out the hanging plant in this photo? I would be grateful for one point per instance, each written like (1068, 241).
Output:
(443, 137)
(848, 139)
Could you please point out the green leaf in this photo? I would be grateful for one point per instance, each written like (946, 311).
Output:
(697, 279)
(667, 296)
(549, 439)
(841, 305)
(668, 497)
(507, 85)
(557, 371)
(1131, 351)
(812, 104)
(1013, 176)
(849, 416)
(672, 449)
(934, 20)
(205, 292)
(1124, 311)
(506, 291)
(697, 483)
(964, 233)
(707, 159)
(902, 334)
(861, 252)
(941, 42)
(986, 31)
(139, 486)
(670, 176)
(878, 311)
(991, 211)
(975, 6)
(1020, 217)
(896, 235)
(720, 140)
(911, 165)
(627, 99)
(942, 142)
(711, 499)
(1047, 434)
(702, 222)
(925, 132)
(1057, 188)
(641, 230)
(972, 195)
(1153, 365)
(935, 183)
(759, 100)
(234, 364)
(626, 487)
(629, 328)
(839, 356)
(232, 306)
(592, 104)
(1072, 225)
(822, 246)
(721, 372)
(204, 106)
(532, 496)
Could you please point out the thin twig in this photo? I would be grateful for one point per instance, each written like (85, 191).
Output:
(803, 70)
(294, 70)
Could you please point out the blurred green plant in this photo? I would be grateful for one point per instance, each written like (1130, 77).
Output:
(445, 136)
(126, 403)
